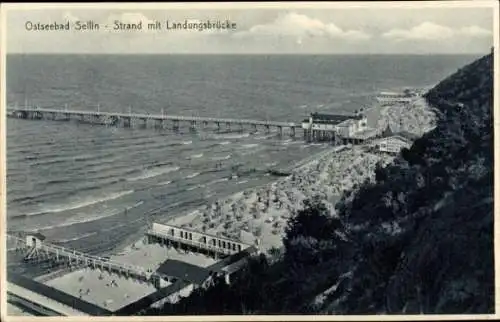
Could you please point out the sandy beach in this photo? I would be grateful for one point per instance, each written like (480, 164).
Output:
(259, 215)
(255, 216)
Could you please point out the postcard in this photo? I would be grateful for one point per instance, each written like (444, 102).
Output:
(236, 161)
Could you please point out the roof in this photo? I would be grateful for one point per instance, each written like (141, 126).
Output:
(236, 266)
(347, 123)
(407, 135)
(387, 132)
(332, 117)
(37, 235)
(149, 299)
(231, 259)
(399, 137)
(185, 271)
(365, 134)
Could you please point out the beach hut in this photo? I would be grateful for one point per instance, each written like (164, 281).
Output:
(34, 240)
(394, 144)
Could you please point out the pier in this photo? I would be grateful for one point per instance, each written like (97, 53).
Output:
(157, 121)
(172, 279)
(35, 251)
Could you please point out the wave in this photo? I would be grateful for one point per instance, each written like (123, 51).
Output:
(252, 151)
(229, 136)
(195, 156)
(192, 175)
(75, 238)
(56, 158)
(153, 172)
(225, 143)
(187, 142)
(80, 220)
(139, 148)
(242, 181)
(251, 145)
(217, 181)
(265, 137)
(107, 178)
(75, 205)
(221, 158)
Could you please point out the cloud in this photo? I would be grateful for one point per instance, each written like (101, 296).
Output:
(475, 31)
(431, 31)
(301, 26)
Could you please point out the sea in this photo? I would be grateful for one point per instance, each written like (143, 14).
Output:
(95, 188)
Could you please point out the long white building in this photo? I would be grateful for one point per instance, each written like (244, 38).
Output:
(390, 98)
(330, 126)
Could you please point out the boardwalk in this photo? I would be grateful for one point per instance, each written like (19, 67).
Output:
(126, 119)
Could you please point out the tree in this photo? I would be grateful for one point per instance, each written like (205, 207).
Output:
(312, 221)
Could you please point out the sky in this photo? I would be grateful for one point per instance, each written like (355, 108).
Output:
(276, 30)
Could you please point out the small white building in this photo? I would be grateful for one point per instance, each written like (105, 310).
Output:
(350, 127)
(346, 128)
(34, 240)
(394, 144)
(390, 98)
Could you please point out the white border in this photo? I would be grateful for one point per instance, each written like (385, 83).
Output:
(4, 8)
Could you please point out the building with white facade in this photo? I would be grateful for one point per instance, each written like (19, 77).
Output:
(394, 144)
(328, 126)
(390, 98)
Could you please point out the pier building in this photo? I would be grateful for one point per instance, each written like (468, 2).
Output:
(336, 128)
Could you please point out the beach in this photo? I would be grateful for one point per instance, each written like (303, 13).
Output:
(258, 216)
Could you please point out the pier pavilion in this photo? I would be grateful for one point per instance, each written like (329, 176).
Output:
(336, 128)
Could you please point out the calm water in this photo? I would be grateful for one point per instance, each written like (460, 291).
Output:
(73, 182)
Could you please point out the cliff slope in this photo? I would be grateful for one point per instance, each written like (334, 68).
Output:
(417, 240)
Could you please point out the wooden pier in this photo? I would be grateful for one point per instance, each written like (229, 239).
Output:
(36, 252)
(157, 121)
